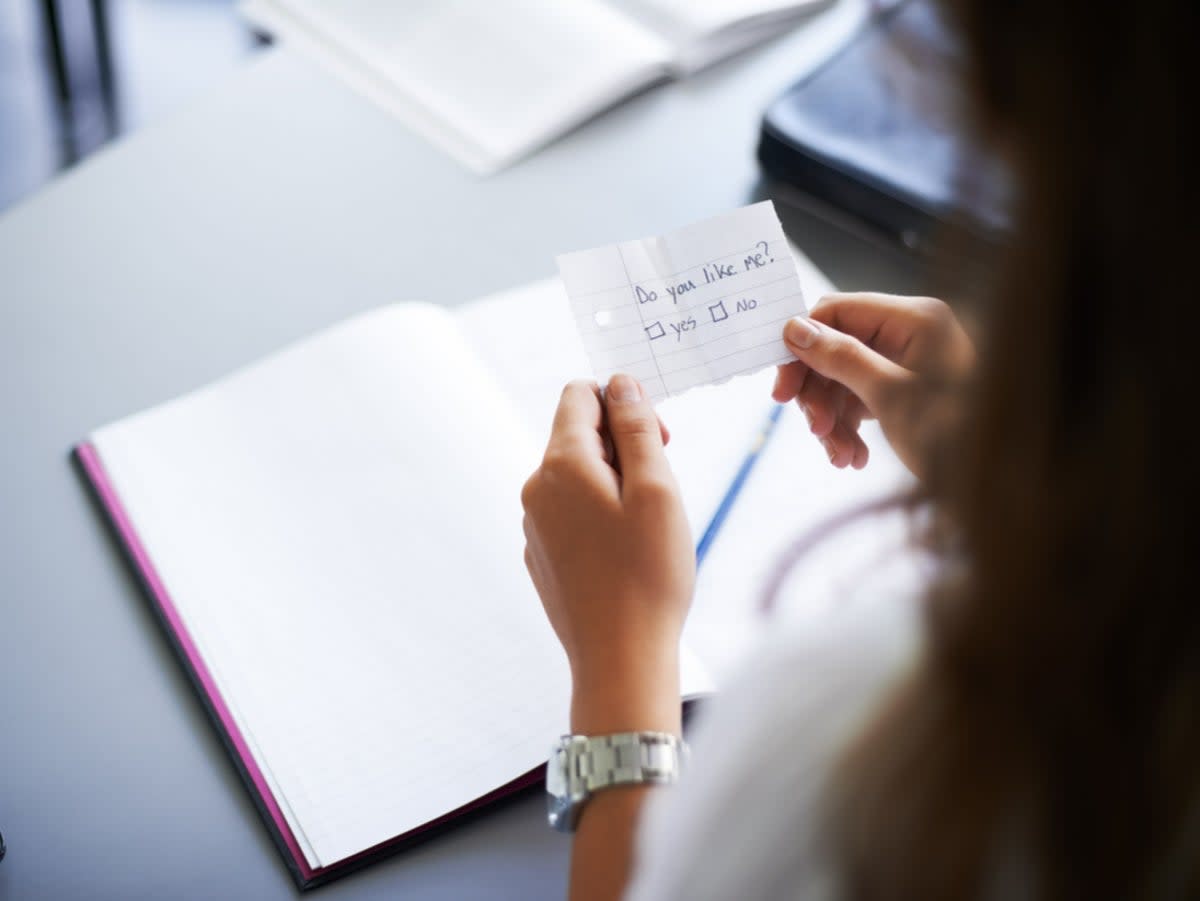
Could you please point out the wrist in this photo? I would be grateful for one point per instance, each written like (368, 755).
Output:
(630, 695)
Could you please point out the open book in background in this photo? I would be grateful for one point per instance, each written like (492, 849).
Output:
(490, 82)
(332, 538)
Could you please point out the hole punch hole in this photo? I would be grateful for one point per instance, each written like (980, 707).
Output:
(603, 318)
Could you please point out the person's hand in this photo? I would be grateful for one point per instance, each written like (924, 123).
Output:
(610, 553)
(873, 356)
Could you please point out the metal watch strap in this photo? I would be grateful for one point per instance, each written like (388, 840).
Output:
(581, 765)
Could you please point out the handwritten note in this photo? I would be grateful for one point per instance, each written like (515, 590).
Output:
(693, 307)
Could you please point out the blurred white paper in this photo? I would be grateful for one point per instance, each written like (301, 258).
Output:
(491, 82)
(693, 307)
(488, 82)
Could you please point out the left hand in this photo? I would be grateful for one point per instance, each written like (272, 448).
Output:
(875, 356)
(610, 553)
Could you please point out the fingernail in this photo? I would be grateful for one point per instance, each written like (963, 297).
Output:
(830, 450)
(623, 389)
(800, 332)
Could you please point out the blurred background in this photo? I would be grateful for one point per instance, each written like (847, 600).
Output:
(76, 74)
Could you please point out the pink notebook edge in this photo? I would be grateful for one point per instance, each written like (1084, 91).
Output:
(305, 875)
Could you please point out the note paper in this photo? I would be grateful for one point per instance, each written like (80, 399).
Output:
(693, 307)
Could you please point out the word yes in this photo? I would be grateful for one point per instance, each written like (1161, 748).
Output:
(684, 325)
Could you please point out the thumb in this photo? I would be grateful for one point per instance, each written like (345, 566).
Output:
(843, 358)
(636, 435)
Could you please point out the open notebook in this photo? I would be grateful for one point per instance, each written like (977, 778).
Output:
(332, 538)
(489, 82)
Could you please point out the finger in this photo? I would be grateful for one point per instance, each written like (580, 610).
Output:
(576, 414)
(847, 431)
(860, 313)
(578, 421)
(836, 422)
(825, 415)
(808, 417)
(844, 447)
(820, 401)
(789, 381)
(579, 407)
(844, 359)
(862, 453)
(635, 431)
(889, 323)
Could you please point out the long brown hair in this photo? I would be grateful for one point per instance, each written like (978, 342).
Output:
(1047, 744)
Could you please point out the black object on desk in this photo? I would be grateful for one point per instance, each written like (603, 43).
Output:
(876, 132)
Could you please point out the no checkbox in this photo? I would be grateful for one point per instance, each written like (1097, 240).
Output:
(718, 311)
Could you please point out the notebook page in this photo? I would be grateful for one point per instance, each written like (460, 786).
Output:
(339, 527)
(490, 82)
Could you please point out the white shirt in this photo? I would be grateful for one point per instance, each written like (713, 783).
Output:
(743, 822)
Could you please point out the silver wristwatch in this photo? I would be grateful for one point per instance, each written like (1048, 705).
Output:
(580, 765)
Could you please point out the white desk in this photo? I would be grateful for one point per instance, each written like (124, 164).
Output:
(276, 206)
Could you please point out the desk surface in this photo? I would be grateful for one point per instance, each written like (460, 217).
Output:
(278, 205)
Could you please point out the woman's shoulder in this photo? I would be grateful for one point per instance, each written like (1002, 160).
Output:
(743, 822)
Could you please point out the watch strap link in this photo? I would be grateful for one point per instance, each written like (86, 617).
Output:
(581, 765)
(625, 758)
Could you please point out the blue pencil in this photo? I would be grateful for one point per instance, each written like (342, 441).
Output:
(735, 487)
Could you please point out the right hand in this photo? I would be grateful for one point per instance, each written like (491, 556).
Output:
(608, 548)
(873, 356)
